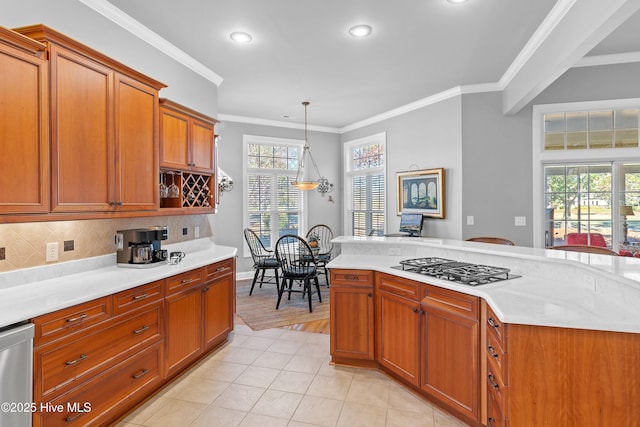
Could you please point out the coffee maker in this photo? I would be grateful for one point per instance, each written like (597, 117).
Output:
(141, 247)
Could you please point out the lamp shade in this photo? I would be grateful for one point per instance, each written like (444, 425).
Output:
(626, 210)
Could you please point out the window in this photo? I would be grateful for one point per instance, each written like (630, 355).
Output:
(587, 174)
(365, 186)
(273, 207)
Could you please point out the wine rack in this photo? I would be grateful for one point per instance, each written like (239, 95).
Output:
(195, 190)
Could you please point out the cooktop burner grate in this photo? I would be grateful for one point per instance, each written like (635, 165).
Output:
(456, 271)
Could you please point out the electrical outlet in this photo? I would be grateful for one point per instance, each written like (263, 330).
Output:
(68, 245)
(196, 231)
(470, 220)
(520, 221)
(2, 254)
(185, 231)
(52, 252)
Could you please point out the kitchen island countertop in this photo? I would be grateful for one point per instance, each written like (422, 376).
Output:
(556, 288)
(32, 292)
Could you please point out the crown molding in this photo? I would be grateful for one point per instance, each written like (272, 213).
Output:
(276, 123)
(612, 59)
(120, 18)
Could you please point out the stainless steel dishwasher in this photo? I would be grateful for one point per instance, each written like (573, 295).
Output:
(16, 375)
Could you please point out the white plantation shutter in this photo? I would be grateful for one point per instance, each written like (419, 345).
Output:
(273, 207)
(365, 186)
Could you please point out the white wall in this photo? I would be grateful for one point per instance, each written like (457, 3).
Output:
(426, 138)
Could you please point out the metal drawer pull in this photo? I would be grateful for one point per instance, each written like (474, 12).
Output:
(141, 296)
(186, 281)
(490, 421)
(205, 289)
(221, 269)
(73, 362)
(77, 319)
(492, 351)
(141, 330)
(492, 323)
(140, 374)
(74, 416)
(348, 277)
(493, 383)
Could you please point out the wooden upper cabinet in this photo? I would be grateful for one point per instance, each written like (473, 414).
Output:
(103, 129)
(24, 125)
(186, 139)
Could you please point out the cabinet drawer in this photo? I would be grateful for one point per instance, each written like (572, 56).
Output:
(107, 395)
(498, 357)
(496, 387)
(60, 365)
(184, 281)
(219, 269)
(351, 277)
(494, 413)
(398, 286)
(454, 302)
(140, 296)
(497, 328)
(71, 320)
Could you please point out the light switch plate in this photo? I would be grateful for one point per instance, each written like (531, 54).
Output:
(521, 221)
(470, 220)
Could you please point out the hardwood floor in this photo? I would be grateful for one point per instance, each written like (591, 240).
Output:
(316, 326)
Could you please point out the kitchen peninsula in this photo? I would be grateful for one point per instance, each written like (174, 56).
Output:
(556, 344)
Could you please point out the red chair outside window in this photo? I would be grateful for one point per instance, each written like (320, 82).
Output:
(597, 239)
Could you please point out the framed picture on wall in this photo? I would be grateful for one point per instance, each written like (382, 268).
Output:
(421, 191)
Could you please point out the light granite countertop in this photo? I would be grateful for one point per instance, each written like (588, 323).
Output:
(31, 292)
(556, 288)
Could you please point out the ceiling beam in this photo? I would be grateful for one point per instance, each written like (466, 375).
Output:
(579, 27)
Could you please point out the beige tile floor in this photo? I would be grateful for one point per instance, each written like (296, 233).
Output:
(279, 377)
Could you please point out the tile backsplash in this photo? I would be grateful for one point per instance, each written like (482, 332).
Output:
(25, 243)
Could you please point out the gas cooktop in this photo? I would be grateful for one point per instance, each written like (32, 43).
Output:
(455, 271)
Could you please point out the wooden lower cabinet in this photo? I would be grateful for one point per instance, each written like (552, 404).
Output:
(105, 395)
(398, 335)
(351, 316)
(183, 328)
(217, 312)
(97, 360)
(450, 349)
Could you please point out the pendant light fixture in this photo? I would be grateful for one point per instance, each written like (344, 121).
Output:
(303, 182)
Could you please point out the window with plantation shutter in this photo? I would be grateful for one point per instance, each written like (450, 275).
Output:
(365, 186)
(273, 207)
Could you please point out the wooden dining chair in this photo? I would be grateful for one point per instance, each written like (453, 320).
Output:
(495, 240)
(263, 260)
(585, 248)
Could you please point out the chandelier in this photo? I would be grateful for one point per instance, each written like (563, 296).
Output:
(302, 181)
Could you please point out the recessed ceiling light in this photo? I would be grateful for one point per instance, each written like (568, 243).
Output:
(241, 37)
(360, 30)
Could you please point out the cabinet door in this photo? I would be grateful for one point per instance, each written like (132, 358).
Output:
(24, 132)
(174, 128)
(217, 310)
(183, 334)
(352, 322)
(136, 145)
(202, 153)
(398, 323)
(81, 133)
(450, 358)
